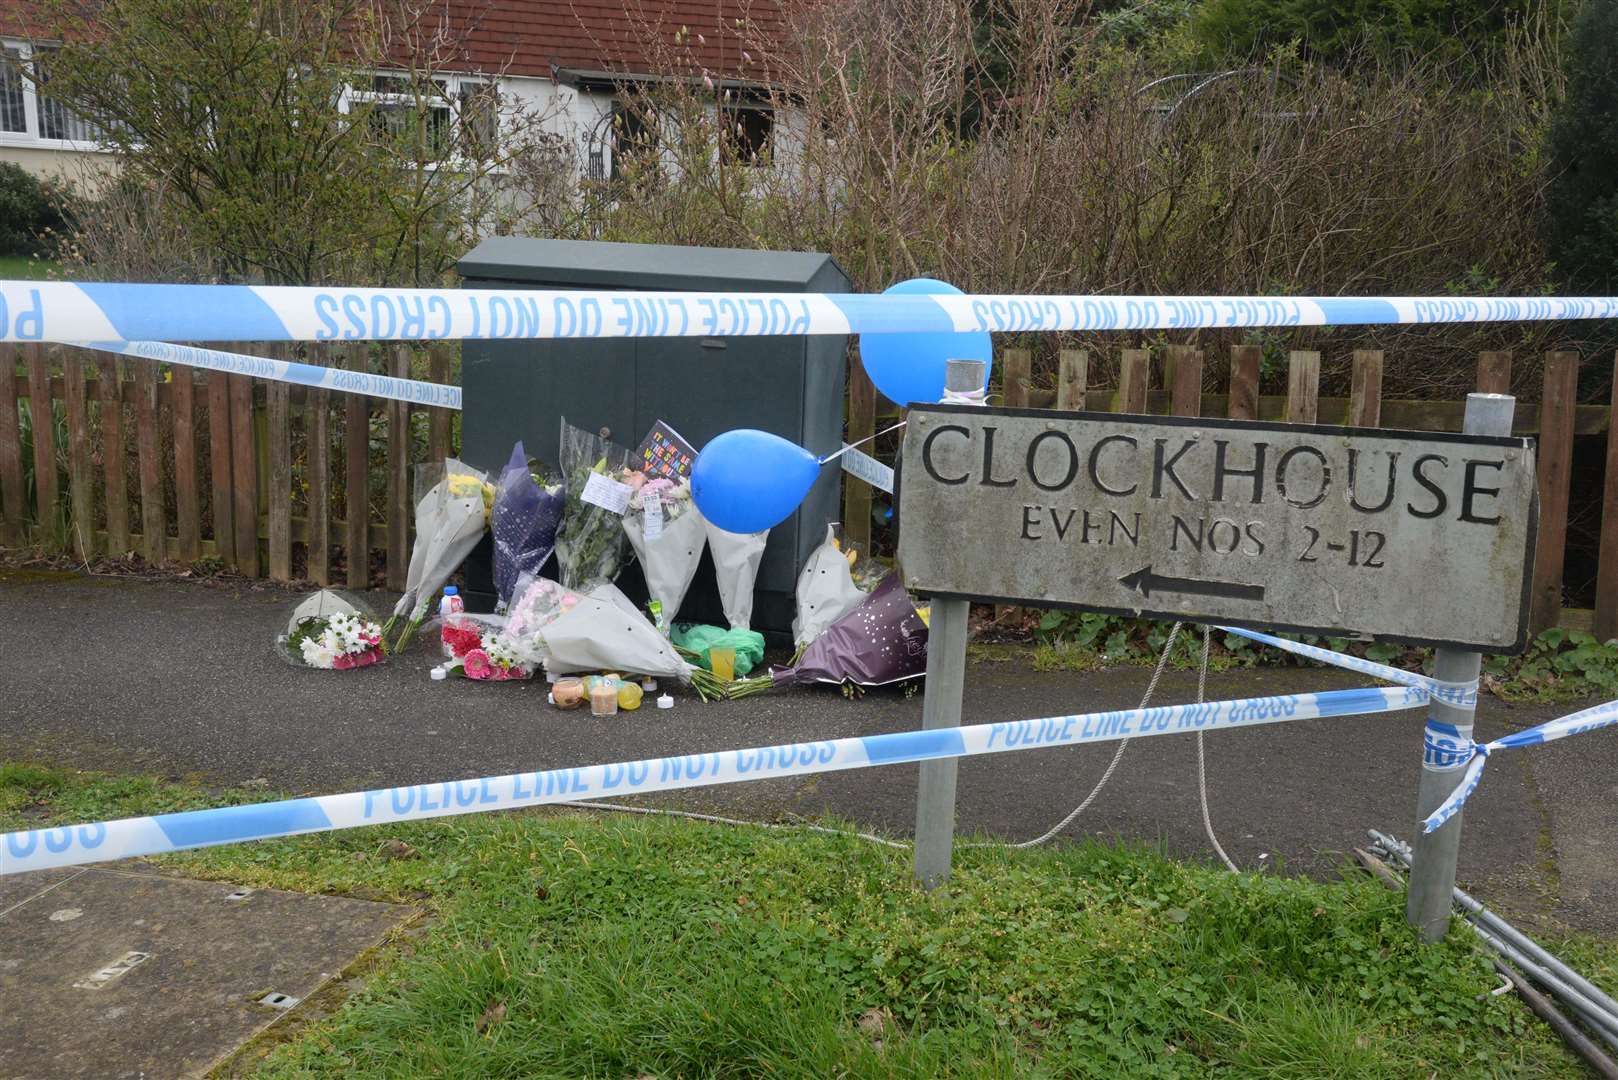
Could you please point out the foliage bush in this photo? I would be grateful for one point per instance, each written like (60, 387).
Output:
(1582, 203)
(30, 211)
(1468, 32)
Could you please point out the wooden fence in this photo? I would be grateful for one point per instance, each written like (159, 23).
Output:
(287, 482)
(1170, 381)
(213, 461)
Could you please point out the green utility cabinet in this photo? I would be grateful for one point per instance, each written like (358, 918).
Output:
(791, 386)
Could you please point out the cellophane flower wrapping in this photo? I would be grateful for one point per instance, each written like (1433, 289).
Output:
(605, 632)
(527, 511)
(736, 557)
(590, 544)
(538, 602)
(331, 631)
(453, 501)
(667, 534)
(826, 590)
(882, 641)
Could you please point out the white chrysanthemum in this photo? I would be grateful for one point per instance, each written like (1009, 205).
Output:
(317, 653)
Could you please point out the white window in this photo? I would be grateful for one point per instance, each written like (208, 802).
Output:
(27, 112)
(446, 118)
(13, 110)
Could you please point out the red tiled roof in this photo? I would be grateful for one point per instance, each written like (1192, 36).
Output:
(723, 38)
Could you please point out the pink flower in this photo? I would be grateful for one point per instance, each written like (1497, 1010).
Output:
(636, 480)
(477, 666)
(660, 485)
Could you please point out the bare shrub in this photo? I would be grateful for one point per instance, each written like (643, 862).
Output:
(1005, 149)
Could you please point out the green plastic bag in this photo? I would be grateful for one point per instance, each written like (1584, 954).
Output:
(699, 639)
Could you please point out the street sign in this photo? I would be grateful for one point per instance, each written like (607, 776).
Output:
(1422, 537)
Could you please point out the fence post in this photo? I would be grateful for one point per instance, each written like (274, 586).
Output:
(1134, 381)
(278, 471)
(114, 462)
(1073, 374)
(1244, 365)
(317, 546)
(154, 524)
(1432, 870)
(187, 497)
(357, 475)
(1365, 390)
(42, 419)
(1494, 372)
(219, 475)
(81, 482)
(1303, 387)
(398, 485)
(11, 493)
(244, 474)
(1606, 623)
(1556, 414)
(861, 425)
(1185, 397)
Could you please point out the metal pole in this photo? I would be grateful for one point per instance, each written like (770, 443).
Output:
(946, 676)
(1488, 921)
(1432, 866)
(935, 797)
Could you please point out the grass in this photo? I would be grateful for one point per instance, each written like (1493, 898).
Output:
(25, 268)
(564, 945)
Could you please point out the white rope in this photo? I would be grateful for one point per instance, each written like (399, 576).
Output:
(1118, 755)
(1202, 758)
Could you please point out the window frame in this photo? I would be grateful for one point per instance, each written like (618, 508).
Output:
(456, 90)
(22, 53)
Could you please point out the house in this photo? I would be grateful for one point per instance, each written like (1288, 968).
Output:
(574, 67)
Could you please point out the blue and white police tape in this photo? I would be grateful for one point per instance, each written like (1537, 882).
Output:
(1461, 694)
(107, 311)
(290, 371)
(73, 845)
(1477, 754)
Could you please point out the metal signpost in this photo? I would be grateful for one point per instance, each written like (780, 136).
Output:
(1420, 537)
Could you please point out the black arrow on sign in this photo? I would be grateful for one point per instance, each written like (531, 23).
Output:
(1144, 581)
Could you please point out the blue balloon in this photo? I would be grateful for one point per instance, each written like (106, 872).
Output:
(746, 481)
(910, 367)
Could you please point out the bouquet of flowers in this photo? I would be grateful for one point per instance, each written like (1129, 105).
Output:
(735, 561)
(332, 632)
(452, 510)
(826, 590)
(539, 602)
(483, 647)
(604, 632)
(880, 642)
(525, 516)
(591, 545)
(667, 534)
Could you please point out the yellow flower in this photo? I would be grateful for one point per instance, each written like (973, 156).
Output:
(465, 486)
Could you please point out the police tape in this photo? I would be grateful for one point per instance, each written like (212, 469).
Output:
(289, 371)
(73, 845)
(1477, 754)
(1451, 693)
(109, 311)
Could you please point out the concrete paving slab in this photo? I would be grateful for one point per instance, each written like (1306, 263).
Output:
(18, 889)
(120, 974)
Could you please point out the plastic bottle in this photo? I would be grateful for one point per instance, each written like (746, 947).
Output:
(450, 606)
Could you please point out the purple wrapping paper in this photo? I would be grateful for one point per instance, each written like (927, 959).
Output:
(881, 641)
(524, 520)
